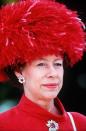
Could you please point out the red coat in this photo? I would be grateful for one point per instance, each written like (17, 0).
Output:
(28, 116)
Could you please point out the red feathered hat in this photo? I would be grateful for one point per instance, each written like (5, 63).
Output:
(30, 29)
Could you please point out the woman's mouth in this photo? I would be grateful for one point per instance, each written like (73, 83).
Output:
(51, 85)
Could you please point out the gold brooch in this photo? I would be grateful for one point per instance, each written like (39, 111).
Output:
(53, 126)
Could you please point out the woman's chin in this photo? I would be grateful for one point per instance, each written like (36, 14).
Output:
(50, 96)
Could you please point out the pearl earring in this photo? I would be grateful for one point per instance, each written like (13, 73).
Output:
(21, 79)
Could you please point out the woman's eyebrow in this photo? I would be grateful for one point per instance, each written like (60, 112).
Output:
(58, 59)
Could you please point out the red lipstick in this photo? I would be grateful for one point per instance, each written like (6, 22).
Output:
(51, 85)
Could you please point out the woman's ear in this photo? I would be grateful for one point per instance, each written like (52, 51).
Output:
(20, 77)
(18, 74)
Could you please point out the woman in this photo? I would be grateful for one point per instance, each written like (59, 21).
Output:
(35, 38)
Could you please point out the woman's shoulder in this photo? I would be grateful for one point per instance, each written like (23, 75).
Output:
(8, 114)
(8, 118)
(80, 120)
(78, 116)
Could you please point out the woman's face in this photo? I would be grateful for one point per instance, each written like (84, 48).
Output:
(43, 78)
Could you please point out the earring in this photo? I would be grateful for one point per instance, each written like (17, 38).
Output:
(21, 79)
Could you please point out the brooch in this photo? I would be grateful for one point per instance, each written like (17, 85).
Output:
(53, 126)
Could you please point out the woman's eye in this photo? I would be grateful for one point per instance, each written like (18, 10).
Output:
(58, 64)
(41, 64)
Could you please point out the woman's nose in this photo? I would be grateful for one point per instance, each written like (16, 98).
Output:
(52, 72)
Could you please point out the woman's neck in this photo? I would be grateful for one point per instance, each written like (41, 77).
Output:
(46, 104)
(49, 106)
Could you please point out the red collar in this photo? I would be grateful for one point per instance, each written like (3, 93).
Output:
(27, 106)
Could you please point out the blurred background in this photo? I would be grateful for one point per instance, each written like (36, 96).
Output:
(73, 94)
